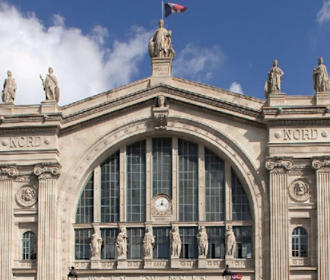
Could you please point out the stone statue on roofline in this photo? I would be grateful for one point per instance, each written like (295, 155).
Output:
(274, 78)
(320, 77)
(9, 89)
(50, 85)
(160, 45)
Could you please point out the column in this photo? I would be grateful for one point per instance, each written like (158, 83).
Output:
(47, 267)
(279, 222)
(322, 168)
(7, 175)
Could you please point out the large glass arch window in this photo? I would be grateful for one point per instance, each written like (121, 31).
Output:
(299, 242)
(194, 185)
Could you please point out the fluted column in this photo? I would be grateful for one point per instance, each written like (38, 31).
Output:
(279, 222)
(7, 175)
(47, 221)
(322, 167)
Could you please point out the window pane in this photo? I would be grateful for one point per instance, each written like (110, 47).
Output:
(241, 207)
(29, 246)
(136, 181)
(82, 240)
(188, 181)
(243, 242)
(162, 243)
(110, 189)
(214, 187)
(216, 237)
(85, 209)
(109, 236)
(135, 243)
(162, 166)
(299, 242)
(189, 248)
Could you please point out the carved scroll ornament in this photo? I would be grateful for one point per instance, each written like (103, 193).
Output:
(320, 163)
(10, 171)
(46, 171)
(278, 163)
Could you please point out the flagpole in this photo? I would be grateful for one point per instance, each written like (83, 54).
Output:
(163, 10)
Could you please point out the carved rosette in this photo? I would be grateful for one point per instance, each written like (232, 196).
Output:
(47, 171)
(299, 190)
(27, 196)
(272, 164)
(320, 163)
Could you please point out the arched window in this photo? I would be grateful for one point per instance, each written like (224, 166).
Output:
(299, 242)
(29, 246)
(194, 185)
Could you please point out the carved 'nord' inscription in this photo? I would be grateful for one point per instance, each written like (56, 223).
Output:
(300, 134)
(24, 141)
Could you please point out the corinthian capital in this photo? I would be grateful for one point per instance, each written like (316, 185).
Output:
(10, 171)
(279, 163)
(47, 170)
(320, 163)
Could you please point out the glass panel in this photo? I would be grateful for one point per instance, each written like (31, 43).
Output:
(162, 243)
(135, 243)
(29, 246)
(243, 242)
(188, 181)
(85, 209)
(299, 242)
(162, 166)
(110, 189)
(109, 236)
(82, 240)
(136, 181)
(214, 187)
(241, 207)
(189, 248)
(216, 237)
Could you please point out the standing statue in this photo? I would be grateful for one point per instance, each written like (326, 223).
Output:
(160, 45)
(175, 242)
(148, 243)
(202, 242)
(50, 85)
(230, 242)
(320, 77)
(273, 83)
(121, 243)
(95, 244)
(9, 89)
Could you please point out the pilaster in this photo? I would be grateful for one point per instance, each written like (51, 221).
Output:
(7, 175)
(322, 167)
(47, 266)
(279, 222)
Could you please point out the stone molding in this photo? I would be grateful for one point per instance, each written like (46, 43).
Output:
(47, 170)
(320, 163)
(279, 163)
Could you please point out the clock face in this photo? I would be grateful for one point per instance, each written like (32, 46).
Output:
(162, 204)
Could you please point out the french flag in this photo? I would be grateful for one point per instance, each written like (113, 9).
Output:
(173, 8)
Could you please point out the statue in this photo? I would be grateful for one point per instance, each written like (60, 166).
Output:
(160, 45)
(50, 85)
(95, 244)
(121, 243)
(273, 83)
(230, 242)
(9, 89)
(148, 243)
(175, 242)
(203, 242)
(320, 77)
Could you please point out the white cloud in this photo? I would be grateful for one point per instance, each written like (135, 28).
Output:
(197, 63)
(81, 62)
(236, 87)
(324, 14)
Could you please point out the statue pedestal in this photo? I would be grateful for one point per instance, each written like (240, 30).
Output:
(175, 263)
(7, 108)
(95, 264)
(161, 70)
(202, 262)
(121, 264)
(276, 99)
(48, 106)
(322, 98)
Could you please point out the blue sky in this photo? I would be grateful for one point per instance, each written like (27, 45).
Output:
(97, 45)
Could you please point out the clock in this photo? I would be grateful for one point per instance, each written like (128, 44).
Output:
(161, 205)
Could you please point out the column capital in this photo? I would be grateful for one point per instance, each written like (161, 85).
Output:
(47, 170)
(279, 163)
(319, 163)
(9, 171)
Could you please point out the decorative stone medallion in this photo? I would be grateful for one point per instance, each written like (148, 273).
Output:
(299, 190)
(26, 196)
(161, 205)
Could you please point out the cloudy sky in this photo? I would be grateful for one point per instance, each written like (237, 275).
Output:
(95, 46)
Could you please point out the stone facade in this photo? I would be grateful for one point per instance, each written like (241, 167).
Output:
(279, 147)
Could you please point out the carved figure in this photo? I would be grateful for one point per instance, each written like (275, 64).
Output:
(175, 242)
(9, 89)
(203, 242)
(95, 244)
(230, 242)
(121, 243)
(160, 45)
(161, 101)
(50, 85)
(273, 83)
(148, 242)
(320, 77)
